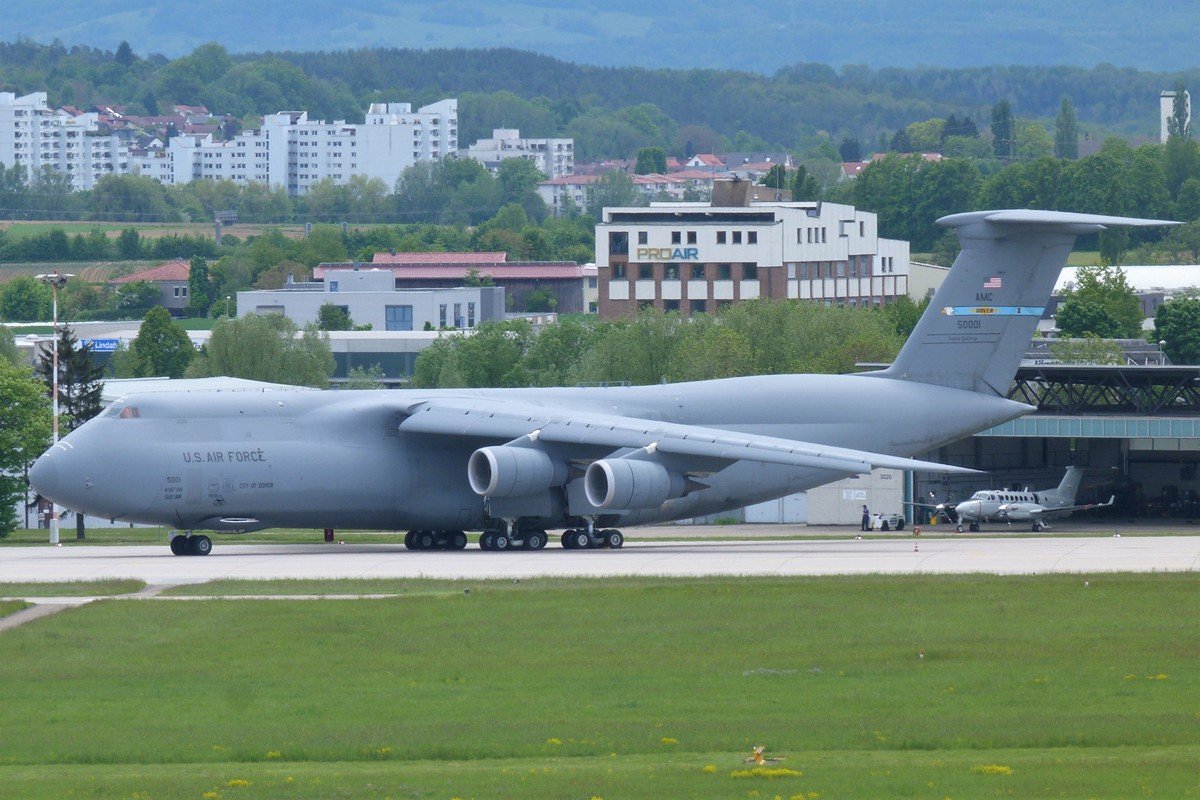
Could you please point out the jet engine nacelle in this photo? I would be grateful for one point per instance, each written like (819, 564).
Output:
(513, 471)
(631, 483)
(1021, 511)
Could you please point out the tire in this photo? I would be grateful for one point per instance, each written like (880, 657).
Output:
(580, 540)
(568, 540)
(974, 527)
(1037, 527)
(457, 541)
(199, 546)
(179, 545)
(535, 540)
(614, 539)
(485, 541)
(883, 526)
(426, 540)
(500, 541)
(958, 527)
(410, 540)
(900, 525)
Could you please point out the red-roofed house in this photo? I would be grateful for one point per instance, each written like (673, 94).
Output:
(705, 160)
(850, 169)
(567, 281)
(170, 278)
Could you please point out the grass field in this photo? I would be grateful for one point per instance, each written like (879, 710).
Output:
(22, 229)
(71, 589)
(11, 607)
(1027, 687)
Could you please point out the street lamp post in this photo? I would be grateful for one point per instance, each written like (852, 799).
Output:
(55, 280)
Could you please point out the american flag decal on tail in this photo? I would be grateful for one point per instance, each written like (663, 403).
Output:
(993, 282)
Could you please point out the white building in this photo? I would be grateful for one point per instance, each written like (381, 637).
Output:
(33, 135)
(696, 258)
(554, 157)
(289, 151)
(1166, 110)
(370, 297)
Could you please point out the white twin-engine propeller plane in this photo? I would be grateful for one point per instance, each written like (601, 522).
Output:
(1008, 505)
(518, 463)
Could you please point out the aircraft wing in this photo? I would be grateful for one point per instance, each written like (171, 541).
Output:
(1087, 506)
(508, 420)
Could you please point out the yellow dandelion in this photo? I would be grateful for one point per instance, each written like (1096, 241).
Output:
(991, 769)
(211, 795)
(554, 740)
(669, 740)
(710, 768)
(766, 772)
(274, 755)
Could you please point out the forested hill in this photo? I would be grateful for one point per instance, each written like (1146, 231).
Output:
(610, 111)
(756, 35)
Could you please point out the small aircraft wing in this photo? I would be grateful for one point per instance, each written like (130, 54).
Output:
(509, 420)
(1085, 507)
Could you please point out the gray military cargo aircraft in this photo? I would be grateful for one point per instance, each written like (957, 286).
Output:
(515, 463)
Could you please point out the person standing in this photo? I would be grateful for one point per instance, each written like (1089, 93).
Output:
(866, 518)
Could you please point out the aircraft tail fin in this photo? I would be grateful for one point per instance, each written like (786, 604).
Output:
(1069, 486)
(981, 320)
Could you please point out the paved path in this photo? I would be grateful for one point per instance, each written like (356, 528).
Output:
(156, 566)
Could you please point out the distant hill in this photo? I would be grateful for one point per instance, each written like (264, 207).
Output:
(754, 35)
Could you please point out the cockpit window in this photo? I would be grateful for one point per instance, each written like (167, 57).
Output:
(129, 412)
(122, 411)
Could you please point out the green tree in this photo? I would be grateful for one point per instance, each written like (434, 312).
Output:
(1077, 319)
(24, 434)
(8, 347)
(1066, 131)
(198, 287)
(1004, 139)
(804, 185)
(615, 189)
(1107, 288)
(776, 178)
(124, 55)
(476, 278)
(361, 378)
(1179, 123)
(927, 136)
(332, 317)
(552, 357)
(493, 356)
(129, 244)
(266, 347)
(1088, 350)
(1177, 324)
(651, 160)
(161, 347)
(850, 149)
(24, 299)
(709, 349)
(1033, 141)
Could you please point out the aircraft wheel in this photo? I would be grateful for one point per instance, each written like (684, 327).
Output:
(958, 527)
(535, 540)
(883, 526)
(199, 546)
(485, 541)
(500, 541)
(179, 545)
(613, 538)
(974, 527)
(580, 540)
(568, 541)
(900, 525)
(1037, 527)
(410, 540)
(457, 541)
(426, 540)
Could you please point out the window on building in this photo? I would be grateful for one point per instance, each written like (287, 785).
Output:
(645, 305)
(697, 272)
(823, 235)
(862, 229)
(671, 272)
(691, 237)
(752, 237)
(643, 237)
(618, 271)
(722, 272)
(670, 305)
(676, 237)
(398, 318)
(333, 286)
(591, 283)
(442, 315)
(458, 317)
(737, 237)
(699, 306)
(720, 237)
(470, 315)
(750, 272)
(841, 269)
(618, 243)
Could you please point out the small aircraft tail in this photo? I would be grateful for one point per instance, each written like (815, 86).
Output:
(1069, 487)
(981, 320)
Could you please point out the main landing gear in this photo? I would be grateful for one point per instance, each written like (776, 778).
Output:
(435, 540)
(502, 539)
(974, 527)
(583, 539)
(185, 544)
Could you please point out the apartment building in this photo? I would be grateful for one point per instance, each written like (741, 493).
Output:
(698, 258)
(554, 157)
(34, 136)
(289, 150)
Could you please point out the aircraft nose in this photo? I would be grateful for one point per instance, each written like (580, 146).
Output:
(43, 476)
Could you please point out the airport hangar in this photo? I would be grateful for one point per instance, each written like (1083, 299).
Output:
(1134, 427)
